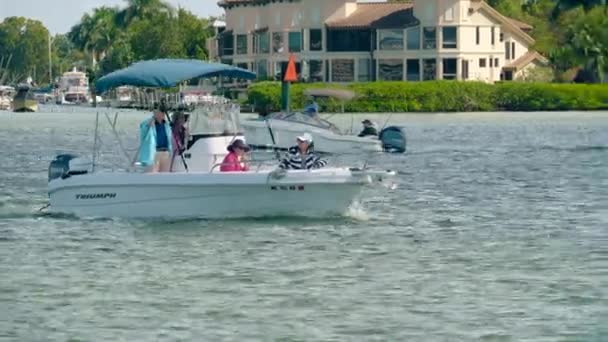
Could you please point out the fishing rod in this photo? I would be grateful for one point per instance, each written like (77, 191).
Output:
(274, 143)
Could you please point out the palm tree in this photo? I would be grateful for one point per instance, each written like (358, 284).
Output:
(95, 33)
(139, 9)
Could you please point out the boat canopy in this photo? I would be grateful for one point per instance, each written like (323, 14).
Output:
(340, 94)
(164, 73)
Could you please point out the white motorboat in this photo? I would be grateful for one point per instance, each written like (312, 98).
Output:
(328, 137)
(73, 89)
(196, 188)
(317, 193)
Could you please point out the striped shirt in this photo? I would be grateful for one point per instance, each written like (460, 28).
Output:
(295, 161)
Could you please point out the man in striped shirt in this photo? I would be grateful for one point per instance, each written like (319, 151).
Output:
(302, 156)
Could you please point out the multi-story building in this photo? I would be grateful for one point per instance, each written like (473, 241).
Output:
(347, 41)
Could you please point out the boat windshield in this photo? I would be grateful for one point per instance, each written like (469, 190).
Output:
(307, 118)
(215, 119)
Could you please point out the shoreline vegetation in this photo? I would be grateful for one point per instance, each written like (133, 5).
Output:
(439, 96)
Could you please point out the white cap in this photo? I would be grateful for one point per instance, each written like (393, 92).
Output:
(305, 137)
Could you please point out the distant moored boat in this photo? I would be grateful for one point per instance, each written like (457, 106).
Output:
(24, 101)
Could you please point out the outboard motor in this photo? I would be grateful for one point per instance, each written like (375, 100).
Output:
(66, 165)
(393, 139)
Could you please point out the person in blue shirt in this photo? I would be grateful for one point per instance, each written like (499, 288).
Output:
(156, 143)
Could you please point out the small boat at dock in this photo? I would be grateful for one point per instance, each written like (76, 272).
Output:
(25, 100)
(6, 97)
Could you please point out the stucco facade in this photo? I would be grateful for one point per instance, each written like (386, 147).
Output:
(346, 41)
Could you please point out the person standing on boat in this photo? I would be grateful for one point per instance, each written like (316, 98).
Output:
(235, 160)
(368, 129)
(180, 135)
(156, 143)
(302, 156)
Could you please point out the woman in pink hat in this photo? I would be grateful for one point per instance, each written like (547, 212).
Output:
(234, 161)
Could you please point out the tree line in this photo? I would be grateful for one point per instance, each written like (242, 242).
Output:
(106, 39)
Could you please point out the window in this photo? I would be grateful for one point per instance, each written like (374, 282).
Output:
(492, 34)
(482, 62)
(390, 70)
(349, 40)
(491, 62)
(390, 39)
(364, 70)
(430, 38)
(227, 43)
(449, 68)
(241, 44)
(295, 41)
(513, 50)
(477, 35)
(450, 40)
(507, 51)
(413, 69)
(496, 62)
(316, 40)
(255, 43)
(316, 70)
(449, 14)
(262, 69)
(277, 42)
(342, 70)
(413, 38)
(502, 37)
(465, 70)
(429, 69)
(264, 42)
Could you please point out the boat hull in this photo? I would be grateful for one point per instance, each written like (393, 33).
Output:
(21, 106)
(285, 133)
(319, 193)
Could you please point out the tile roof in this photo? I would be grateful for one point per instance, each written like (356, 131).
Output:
(526, 59)
(522, 26)
(377, 15)
(226, 3)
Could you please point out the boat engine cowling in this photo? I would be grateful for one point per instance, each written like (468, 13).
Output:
(66, 165)
(393, 139)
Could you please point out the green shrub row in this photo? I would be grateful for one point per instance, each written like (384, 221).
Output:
(441, 96)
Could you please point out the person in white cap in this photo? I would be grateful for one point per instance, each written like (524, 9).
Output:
(302, 156)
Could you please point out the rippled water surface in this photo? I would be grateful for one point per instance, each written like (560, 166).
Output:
(498, 231)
